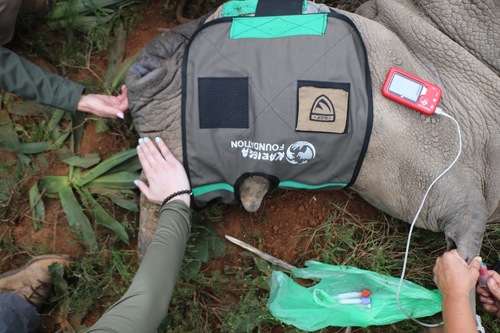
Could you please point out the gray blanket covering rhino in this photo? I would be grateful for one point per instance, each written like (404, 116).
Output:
(454, 44)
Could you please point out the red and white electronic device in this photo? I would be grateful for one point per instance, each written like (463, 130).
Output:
(411, 91)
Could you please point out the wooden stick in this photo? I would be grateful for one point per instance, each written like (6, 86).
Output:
(263, 255)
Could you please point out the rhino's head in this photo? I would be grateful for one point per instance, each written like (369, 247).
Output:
(252, 191)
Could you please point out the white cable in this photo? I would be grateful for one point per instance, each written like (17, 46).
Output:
(439, 112)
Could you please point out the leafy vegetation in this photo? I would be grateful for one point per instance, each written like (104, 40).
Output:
(112, 178)
(204, 244)
(86, 15)
(50, 130)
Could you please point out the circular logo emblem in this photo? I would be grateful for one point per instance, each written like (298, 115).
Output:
(300, 152)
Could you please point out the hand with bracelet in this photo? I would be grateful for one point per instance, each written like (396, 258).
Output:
(165, 174)
(144, 306)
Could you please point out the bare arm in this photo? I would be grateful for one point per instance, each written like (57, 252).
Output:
(25, 79)
(456, 279)
(104, 105)
(145, 304)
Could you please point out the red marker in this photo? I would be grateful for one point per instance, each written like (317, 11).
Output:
(483, 275)
(362, 293)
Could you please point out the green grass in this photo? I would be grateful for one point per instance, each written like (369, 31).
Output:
(229, 301)
(235, 299)
(377, 245)
(76, 33)
(15, 176)
(91, 285)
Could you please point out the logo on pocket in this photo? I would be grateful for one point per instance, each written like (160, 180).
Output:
(300, 152)
(322, 110)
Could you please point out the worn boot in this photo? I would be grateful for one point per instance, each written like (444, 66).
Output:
(32, 281)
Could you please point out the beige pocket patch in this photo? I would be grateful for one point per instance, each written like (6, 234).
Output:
(322, 109)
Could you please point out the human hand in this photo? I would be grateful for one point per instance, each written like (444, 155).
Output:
(453, 276)
(490, 296)
(165, 174)
(104, 105)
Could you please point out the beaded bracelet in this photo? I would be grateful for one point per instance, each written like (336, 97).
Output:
(171, 196)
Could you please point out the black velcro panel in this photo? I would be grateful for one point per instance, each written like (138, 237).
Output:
(223, 102)
(279, 7)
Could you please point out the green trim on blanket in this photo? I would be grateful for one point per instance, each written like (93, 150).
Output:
(293, 184)
(278, 26)
(211, 188)
(197, 191)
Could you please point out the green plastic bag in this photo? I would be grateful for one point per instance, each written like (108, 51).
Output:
(317, 307)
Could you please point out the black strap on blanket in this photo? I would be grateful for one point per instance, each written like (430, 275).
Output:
(279, 7)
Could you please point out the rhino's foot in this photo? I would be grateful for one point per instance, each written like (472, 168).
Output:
(149, 216)
(466, 233)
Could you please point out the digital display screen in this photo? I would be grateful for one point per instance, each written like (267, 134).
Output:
(405, 87)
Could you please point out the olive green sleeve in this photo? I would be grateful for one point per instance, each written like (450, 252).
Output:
(145, 304)
(27, 80)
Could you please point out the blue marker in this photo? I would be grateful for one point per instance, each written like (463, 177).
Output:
(365, 301)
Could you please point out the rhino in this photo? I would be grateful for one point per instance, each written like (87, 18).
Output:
(452, 44)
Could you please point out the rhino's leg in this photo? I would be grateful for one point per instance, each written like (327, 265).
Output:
(150, 213)
(454, 206)
(148, 220)
(464, 228)
(394, 180)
